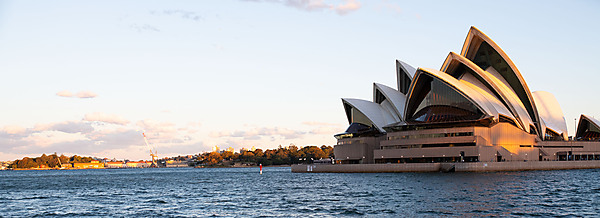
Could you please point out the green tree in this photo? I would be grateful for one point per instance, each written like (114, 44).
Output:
(313, 153)
(213, 158)
(247, 156)
(64, 159)
(328, 150)
(227, 155)
(52, 161)
(26, 162)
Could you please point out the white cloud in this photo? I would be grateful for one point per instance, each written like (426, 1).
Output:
(84, 138)
(386, 5)
(190, 15)
(82, 94)
(314, 123)
(182, 149)
(347, 7)
(86, 94)
(144, 28)
(13, 130)
(309, 5)
(106, 118)
(116, 138)
(47, 138)
(327, 131)
(343, 8)
(67, 126)
(65, 93)
(72, 127)
(163, 132)
(258, 133)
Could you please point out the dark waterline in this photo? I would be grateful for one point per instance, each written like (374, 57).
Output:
(278, 192)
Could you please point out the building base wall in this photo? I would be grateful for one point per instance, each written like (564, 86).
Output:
(445, 167)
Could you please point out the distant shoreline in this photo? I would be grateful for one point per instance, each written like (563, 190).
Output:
(20, 169)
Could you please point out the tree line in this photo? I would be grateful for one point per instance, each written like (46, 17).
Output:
(279, 156)
(48, 161)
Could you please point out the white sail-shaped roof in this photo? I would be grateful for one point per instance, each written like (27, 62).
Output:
(484, 52)
(395, 99)
(513, 99)
(373, 112)
(409, 70)
(489, 108)
(502, 110)
(493, 86)
(404, 76)
(550, 113)
(587, 124)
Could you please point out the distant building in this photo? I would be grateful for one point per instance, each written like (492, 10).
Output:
(175, 163)
(215, 148)
(253, 149)
(138, 164)
(92, 165)
(114, 164)
(230, 149)
(4, 164)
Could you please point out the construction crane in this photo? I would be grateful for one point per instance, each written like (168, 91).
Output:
(153, 154)
(59, 163)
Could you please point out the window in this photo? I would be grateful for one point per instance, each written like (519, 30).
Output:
(432, 135)
(552, 135)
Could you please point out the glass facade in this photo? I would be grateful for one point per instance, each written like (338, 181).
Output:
(441, 145)
(551, 135)
(434, 101)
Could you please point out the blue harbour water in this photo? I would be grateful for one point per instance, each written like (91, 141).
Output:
(243, 192)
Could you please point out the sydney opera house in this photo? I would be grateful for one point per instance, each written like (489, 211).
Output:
(476, 108)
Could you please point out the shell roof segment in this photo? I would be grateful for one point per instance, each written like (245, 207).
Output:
(494, 85)
(474, 96)
(394, 97)
(550, 113)
(484, 52)
(404, 76)
(586, 126)
(375, 114)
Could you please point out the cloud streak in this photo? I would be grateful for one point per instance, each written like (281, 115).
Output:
(144, 28)
(189, 15)
(106, 118)
(88, 137)
(386, 5)
(343, 8)
(260, 132)
(82, 94)
(314, 123)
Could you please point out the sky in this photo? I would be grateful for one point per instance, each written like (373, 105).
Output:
(88, 77)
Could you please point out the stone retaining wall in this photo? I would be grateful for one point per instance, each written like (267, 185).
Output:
(437, 167)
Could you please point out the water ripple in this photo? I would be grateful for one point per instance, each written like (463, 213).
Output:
(280, 193)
